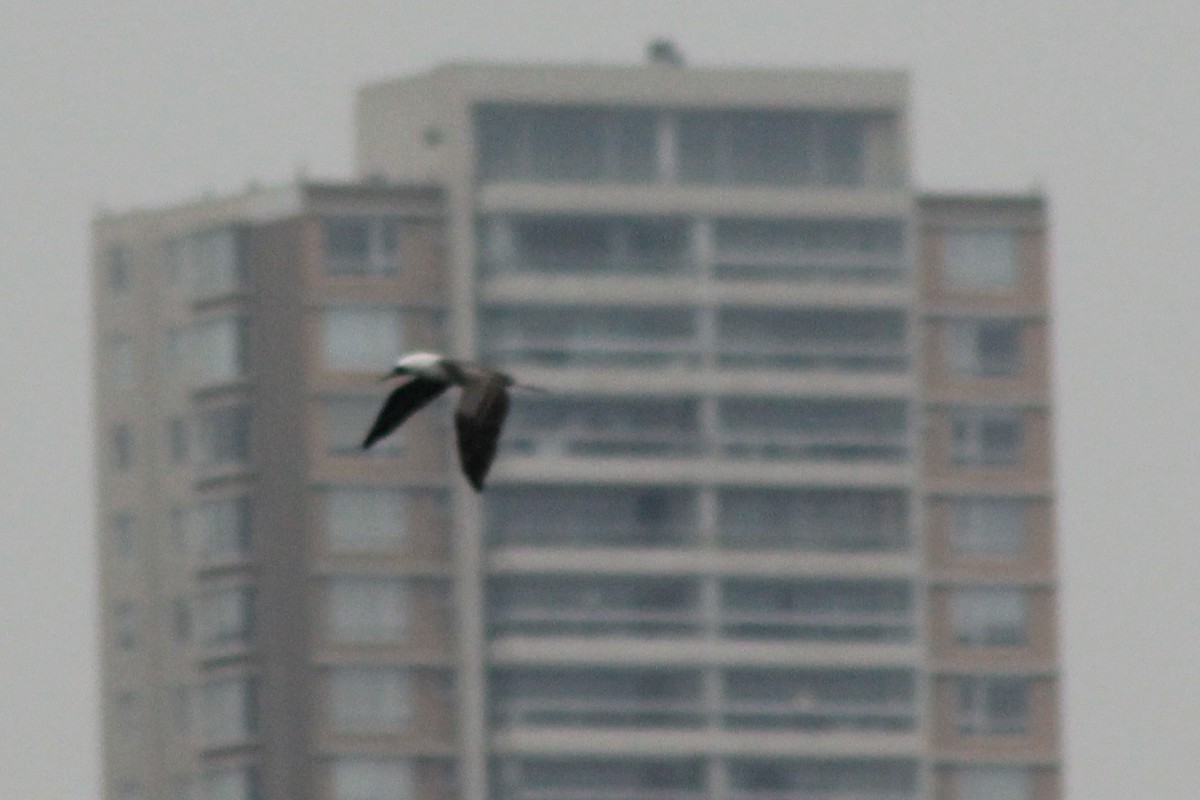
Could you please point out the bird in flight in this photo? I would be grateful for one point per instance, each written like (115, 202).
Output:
(482, 406)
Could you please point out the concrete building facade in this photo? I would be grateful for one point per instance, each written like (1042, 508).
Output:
(782, 526)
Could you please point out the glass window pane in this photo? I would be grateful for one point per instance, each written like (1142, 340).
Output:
(361, 246)
(980, 259)
(990, 617)
(984, 348)
(230, 783)
(366, 700)
(220, 530)
(216, 266)
(620, 516)
(123, 533)
(215, 351)
(118, 267)
(993, 704)
(120, 357)
(993, 783)
(986, 437)
(367, 609)
(226, 711)
(989, 526)
(223, 436)
(225, 617)
(365, 519)
(362, 338)
(815, 520)
(365, 778)
(122, 446)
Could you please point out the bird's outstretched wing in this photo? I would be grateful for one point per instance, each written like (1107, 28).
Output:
(477, 421)
(402, 404)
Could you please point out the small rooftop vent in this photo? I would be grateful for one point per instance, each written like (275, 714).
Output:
(664, 52)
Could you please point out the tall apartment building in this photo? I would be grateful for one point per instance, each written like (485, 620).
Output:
(781, 528)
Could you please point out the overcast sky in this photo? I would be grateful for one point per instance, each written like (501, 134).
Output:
(140, 102)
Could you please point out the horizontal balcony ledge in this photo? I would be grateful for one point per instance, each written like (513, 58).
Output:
(1034, 757)
(686, 380)
(557, 650)
(401, 653)
(778, 202)
(673, 741)
(664, 471)
(655, 561)
(689, 290)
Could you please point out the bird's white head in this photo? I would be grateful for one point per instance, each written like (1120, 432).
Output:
(424, 365)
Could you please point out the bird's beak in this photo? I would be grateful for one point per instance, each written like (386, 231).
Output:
(395, 373)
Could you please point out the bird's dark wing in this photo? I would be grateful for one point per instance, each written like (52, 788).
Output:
(478, 420)
(402, 404)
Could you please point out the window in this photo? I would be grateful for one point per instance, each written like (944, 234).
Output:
(125, 625)
(178, 440)
(230, 783)
(619, 516)
(984, 348)
(225, 617)
(625, 777)
(220, 529)
(362, 338)
(590, 336)
(362, 246)
(565, 605)
(181, 709)
(123, 534)
(986, 437)
(365, 519)
(842, 143)
(811, 339)
(369, 700)
(122, 446)
(818, 610)
(993, 783)
(347, 420)
(839, 430)
(127, 718)
(181, 620)
(215, 351)
(367, 610)
(772, 148)
(566, 144)
(809, 250)
(989, 526)
(895, 779)
(597, 696)
(814, 520)
(819, 699)
(226, 711)
(599, 428)
(993, 704)
(586, 245)
(118, 267)
(749, 147)
(223, 436)
(120, 354)
(216, 266)
(366, 778)
(980, 259)
(989, 617)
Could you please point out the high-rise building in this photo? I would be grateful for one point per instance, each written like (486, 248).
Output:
(781, 527)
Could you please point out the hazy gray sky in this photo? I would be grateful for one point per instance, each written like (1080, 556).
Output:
(140, 102)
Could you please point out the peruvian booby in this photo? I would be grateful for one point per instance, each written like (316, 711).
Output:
(482, 406)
